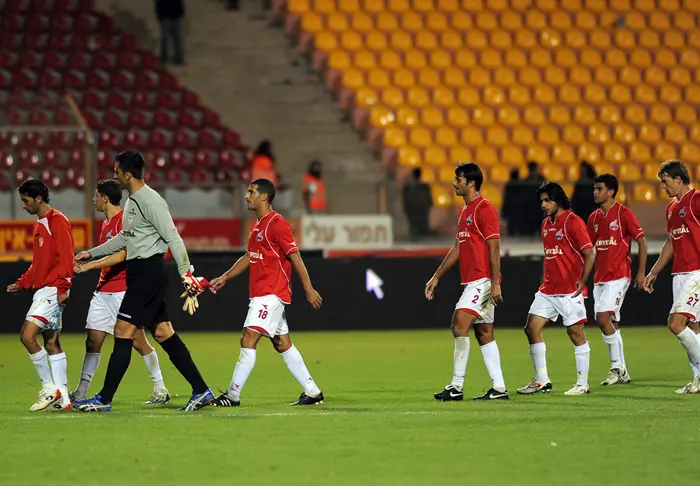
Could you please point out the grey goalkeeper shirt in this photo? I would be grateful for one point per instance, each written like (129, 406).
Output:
(147, 230)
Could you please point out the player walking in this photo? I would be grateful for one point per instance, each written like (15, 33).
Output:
(108, 296)
(683, 246)
(568, 261)
(148, 230)
(612, 227)
(271, 254)
(50, 275)
(478, 251)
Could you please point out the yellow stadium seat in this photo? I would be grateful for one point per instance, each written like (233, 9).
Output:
(639, 153)
(511, 21)
(624, 133)
(436, 21)
(417, 97)
(600, 39)
(349, 6)
(486, 156)
(365, 60)
(378, 78)
(540, 58)
(609, 114)
(553, 172)
(580, 76)
(464, 59)
(398, 6)
(494, 195)
(573, 134)
(620, 94)
(392, 97)
(550, 39)
(575, 39)
(376, 41)
(351, 41)
(471, 136)
(326, 41)
(560, 20)
(411, 21)
(538, 153)
(665, 58)
(615, 58)
(629, 173)
(499, 174)
(547, 135)
(512, 156)
(362, 22)
(625, 39)
(569, 94)
(426, 40)
(519, 95)
(620, 6)
(584, 115)
(530, 76)
(497, 5)
(394, 137)
(643, 192)
(690, 58)
(446, 173)
(494, 96)
(565, 58)
(473, 5)
(655, 76)
(694, 132)
(690, 153)
(366, 97)
(554, 76)
(461, 21)
(415, 59)
(435, 156)
(614, 153)
(525, 39)
(451, 40)
(324, 6)
(572, 6)
(453, 78)
(373, 6)
(635, 20)
(386, 22)
(675, 133)
(590, 58)
(515, 58)
(486, 21)
(439, 59)
(298, 6)
(408, 156)
(406, 117)
(589, 152)
(381, 116)
(504, 76)
(559, 115)
(353, 79)
(468, 96)
(635, 115)
(432, 118)
(479, 77)
(311, 22)
(684, 20)
(497, 136)
(605, 76)
(563, 153)
(400, 40)
(457, 117)
(692, 94)
(645, 94)
(649, 39)
(420, 137)
(604, 168)
(443, 96)
(675, 40)
(535, 20)
(598, 134)
(660, 114)
(476, 39)
(508, 116)
(522, 135)
(424, 6)
(337, 22)
(404, 78)
(534, 116)
(680, 76)
(339, 61)
(390, 60)
(483, 116)
(501, 40)
(650, 171)
(428, 174)
(459, 154)
(428, 78)
(442, 196)
(671, 95)
(546, 5)
(490, 58)
(693, 39)
(586, 21)
(665, 151)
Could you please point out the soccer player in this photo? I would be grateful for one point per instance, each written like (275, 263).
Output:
(50, 275)
(270, 255)
(477, 249)
(108, 296)
(683, 246)
(568, 261)
(612, 227)
(147, 233)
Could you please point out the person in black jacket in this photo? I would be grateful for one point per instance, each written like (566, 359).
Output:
(582, 201)
(170, 13)
(417, 201)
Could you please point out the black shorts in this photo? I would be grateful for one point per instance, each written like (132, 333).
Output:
(146, 287)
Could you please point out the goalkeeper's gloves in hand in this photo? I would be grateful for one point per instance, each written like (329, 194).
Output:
(194, 286)
(191, 304)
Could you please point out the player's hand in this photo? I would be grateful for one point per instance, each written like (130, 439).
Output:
(496, 296)
(83, 256)
(12, 288)
(194, 285)
(430, 288)
(639, 281)
(648, 284)
(62, 298)
(217, 284)
(314, 298)
(579, 289)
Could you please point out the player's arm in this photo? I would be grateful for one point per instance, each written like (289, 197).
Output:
(311, 295)
(665, 257)
(236, 269)
(448, 262)
(158, 214)
(582, 241)
(588, 260)
(111, 246)
(641, 261)
(24, 282)
(63, 241)
(494, 245)
(108, 261)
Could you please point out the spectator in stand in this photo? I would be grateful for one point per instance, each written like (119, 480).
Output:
(170, 13)
(582, 201)
(417, 201)
(313, 189)
(263, 164)
(511, 211)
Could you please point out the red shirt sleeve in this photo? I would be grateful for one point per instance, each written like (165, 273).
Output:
(591, 227)
(695, 204)
(27, 278)
(63, 242)
(284, 237)
(632, 225)
(578, 234)
(487, 219)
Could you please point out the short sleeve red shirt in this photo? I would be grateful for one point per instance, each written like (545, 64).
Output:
(564, 241)
(477, 223)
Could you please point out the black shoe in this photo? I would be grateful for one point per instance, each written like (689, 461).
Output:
(224, 400)
(304, 399)
(449, 394)
(493, 394)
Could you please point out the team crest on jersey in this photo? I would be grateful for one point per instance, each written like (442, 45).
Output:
(259, 237)
(669, 215)
(41, 241)
(560, 235)
(614, 226)
(469, 220)
(130, 219)
(681, 213)
(595, 228)
(109, 234)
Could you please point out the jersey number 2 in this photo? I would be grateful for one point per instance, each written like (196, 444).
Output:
(262, 314)
(475, 299)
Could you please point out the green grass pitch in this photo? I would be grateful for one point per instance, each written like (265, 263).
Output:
(379, 424)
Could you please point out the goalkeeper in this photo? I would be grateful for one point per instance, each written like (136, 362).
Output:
(147, 233)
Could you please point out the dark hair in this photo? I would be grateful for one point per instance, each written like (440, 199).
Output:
(556, 193)
(265, 186)
(265, 148)
(471, 172)
(673, 169)
(111, 189)
(34, 188)
(417, 172)
(610, 182)
(132, 162)
(514, 174)
(587, 170)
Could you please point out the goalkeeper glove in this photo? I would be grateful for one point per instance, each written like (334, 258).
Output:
(191, 304)
(194, 286)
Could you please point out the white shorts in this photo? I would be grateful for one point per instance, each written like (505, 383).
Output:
(572, 311)
(266, 316)
(45, 310)
(686, 295)
(476, 299)
(609, 296)
(104, 308)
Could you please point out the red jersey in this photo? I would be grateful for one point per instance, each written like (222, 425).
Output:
(564, 241)
(269, 243)
(52, 251)
(112, 279)
(612, 236)
(477, 222)
(684, 229)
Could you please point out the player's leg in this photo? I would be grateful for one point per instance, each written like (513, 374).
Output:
(37, 354)
(93, 350)
(582, 354)
(282, 343)
(609, 297)
(243, 369)
(59, 366)
(462, 321)
(484, 333)
(686, 307)
(541, 312)
(150, 358)
(691, 387)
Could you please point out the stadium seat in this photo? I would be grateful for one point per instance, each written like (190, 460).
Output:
(442, 196)
(644, 193)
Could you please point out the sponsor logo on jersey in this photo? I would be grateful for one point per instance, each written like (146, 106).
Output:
(129, 234)
(677, 233)
(560, 235)
(550, 253)
(604, 244)
(462, 235)
(614, 225)
(255, 255)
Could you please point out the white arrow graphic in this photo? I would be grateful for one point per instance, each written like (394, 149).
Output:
(374, 284)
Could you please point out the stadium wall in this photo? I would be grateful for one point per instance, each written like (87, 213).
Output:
(347, 304)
